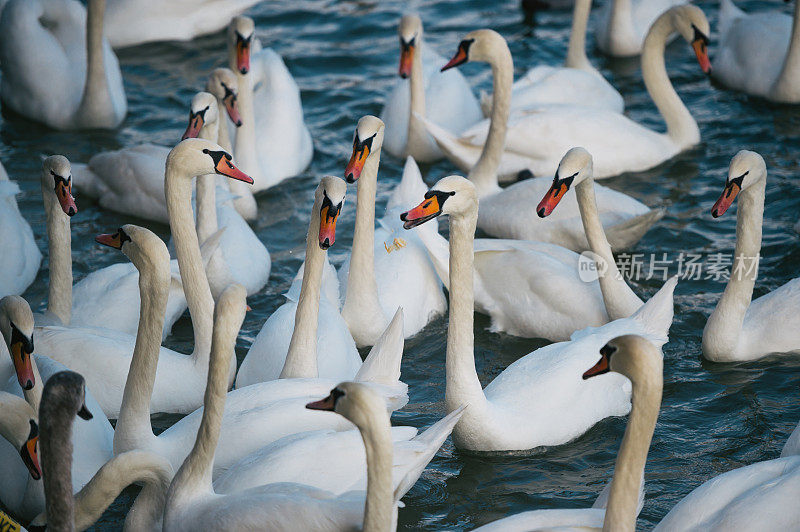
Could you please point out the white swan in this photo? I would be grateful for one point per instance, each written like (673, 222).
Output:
(57, 67)
(577, 82)
(537, 138)
(641, 362)
(445, 98)
(342, 467)
(622, 25)
(102, 356)
(501, 418)
(384, 272)
(307, 323)
(132, 22)
(20, 263)
(19, 492)
(273, 142)
(738, 63)
(62, 399)
(755, 497)
(740, 328)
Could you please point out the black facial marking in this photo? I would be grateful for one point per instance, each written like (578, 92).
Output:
(18, 337)
(23, 451)
(735, 181)
(440, 196)
(336, 394)
(333, 210)
(60, 179)
(359, 145)
(565, 181)
(244, 40)
(464, 46)
(699, 35)
(406, 45)
(608, 350)
(217, 156)
(123, 237)
(228, 92)
(201, 113)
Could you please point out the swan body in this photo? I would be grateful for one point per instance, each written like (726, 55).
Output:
(741, 328)
(57, 67)
(20, 264)
(535, 138)
(444, 97)
(385, 271)
(132, 22)
(750, 55)
(500, 417)
(273, 142)
(640, 361)
(622, 25)
(577, 82)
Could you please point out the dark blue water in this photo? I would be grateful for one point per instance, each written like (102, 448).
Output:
(344, 57)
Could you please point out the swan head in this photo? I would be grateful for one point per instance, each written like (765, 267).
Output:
(16, 324)
(21, 429)
(410, 32)
(203, 111)
(328, 201)
(632, 356)
(367, 140)
(240, 40)
(143, 247)
(454, 195)
(478, 45)
(195, 157)
(575, 167)
(746, 169)
(355, 401)
(692, 24)
(222, 83)
(57, 173)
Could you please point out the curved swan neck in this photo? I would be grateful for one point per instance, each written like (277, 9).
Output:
(59, 242)
(245, 148)
(206, 195)
(178, 190)
(301, 359)
(55, 422)
(484, 174)
(619, 299)
(134, 417)
(361, 302)
(462, 384)
(787, 85)
(96, 99)
(576, 50)
(681, 127)
(379, 505)
(623, 499)
(725, 323)
(417, 134)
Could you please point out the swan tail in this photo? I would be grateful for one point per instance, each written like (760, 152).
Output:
(625, 234)
(427, 443)
(657, 313)
(382, 365)
(86, 181)
(462, 154)
(410, 190)
(210, 246)
(728, 13)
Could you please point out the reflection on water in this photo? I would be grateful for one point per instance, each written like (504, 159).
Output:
(344, 57)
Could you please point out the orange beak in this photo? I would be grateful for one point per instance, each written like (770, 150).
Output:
(427, 210)
(406, 59)
(21, 350)
(356, 164)
(63, 191)
(459, 59)
(551, 199)
(243, 54)
(327, 226)
(700, 46)
(113, 241)
(323, 404)
(30, 452)
(226, 168)
(732, 189)
(598, 369)
(194, 127)
(232, 107)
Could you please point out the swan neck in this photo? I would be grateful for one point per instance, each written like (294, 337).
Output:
(417, 134)
(223, 133)
(725, 323)
(206, 195)
(245, 145)
(178, 190)
(463, 385)
(361, 299)
(55, 423)
(787, 85)
(59, 241)
(681, 127)
(619, 299)
(379, 505)
(484, 174)
(96, 97)
(576, 50)
(301, 359)
(623, 499)
(134, 417)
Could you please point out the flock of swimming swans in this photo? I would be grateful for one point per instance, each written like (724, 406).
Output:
(299, 438)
